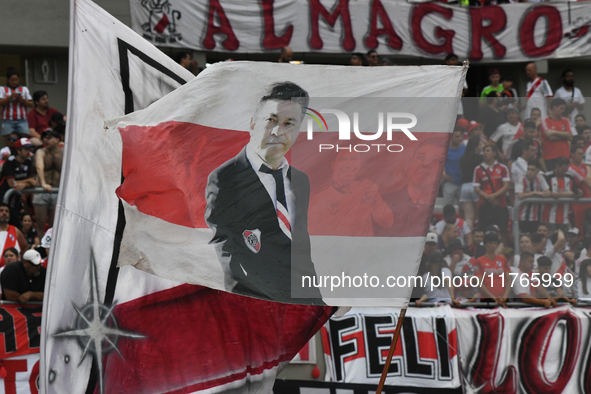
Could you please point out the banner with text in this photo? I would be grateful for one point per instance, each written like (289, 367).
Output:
(501, 350)
(512, 32)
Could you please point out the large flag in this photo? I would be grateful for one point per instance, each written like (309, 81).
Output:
(299, 184)
(170, 337)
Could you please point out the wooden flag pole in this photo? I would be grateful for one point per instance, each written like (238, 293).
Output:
(391, 352)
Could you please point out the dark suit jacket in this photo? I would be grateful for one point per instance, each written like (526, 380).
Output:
(237, 202)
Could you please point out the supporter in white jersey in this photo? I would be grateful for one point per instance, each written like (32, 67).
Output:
(538, 91)
(573, 97)
(523, 287)
(506, 132)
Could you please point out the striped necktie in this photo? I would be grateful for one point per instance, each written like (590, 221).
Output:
(282, 212)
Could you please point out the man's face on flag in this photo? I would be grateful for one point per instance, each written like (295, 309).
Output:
(274, 128)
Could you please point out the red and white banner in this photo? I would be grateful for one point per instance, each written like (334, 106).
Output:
(511, 32)
(501, 350)
(357, 344)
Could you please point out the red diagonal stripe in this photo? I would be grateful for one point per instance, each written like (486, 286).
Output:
(282, 217)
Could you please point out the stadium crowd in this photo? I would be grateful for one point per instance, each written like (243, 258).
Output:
(31, 157)
(515, 149)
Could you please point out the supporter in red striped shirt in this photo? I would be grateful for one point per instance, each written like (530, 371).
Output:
(14, 98)
(495, 270)
(561, 185)
(491, 182)
(532, 184)
(556, 134)
(578, 170)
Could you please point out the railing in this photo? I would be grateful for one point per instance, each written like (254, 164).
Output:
(538, 200)
(33, 190)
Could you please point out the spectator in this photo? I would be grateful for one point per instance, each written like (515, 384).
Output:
(18, 171)
(10, 236)
(571, 95)
(584, 256)
(544, 229)
(11, 255)
(468, 197)
(578, 170)
(535, 116)
(452, 173)
(506, 132)
(48, 162)
(443, 292)
(449, 233)
(455, 258)
(372, 58)
(40, 115)
(519, 166)
(585, 134)
(538, 91)
(583, 284)
(556, 134)
(526, 134)
(580, 121)
(525, 245)
(476, 245)
(449, 217)
(491, 115)
(9, 150)
(561, 185)
(286, 55)
(15, 99)
(24, 281)
(185, 59)
(539, 246)
(357, 59)
(527, 293)
(495, 86)
(510, 93)
(573, 240)
(551, 288)
(531, 185)
(491, 182)
(493, 267)
(29, 231)
(430, 246)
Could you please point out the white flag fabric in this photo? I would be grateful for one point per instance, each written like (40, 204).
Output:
(270, 180)
(112, 72)
(144, 333)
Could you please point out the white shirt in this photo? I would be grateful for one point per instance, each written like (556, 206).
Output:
(269, 182)
(518, 289)
(588, 156)
(459, 268)
(574, 96)
(438, 294)
(46, 240)
(507, 132)
(538, 98)
(518, 169)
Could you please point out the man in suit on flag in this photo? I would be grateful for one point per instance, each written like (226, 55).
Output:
(257, 206)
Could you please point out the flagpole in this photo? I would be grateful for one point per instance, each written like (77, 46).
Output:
(391, 352)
